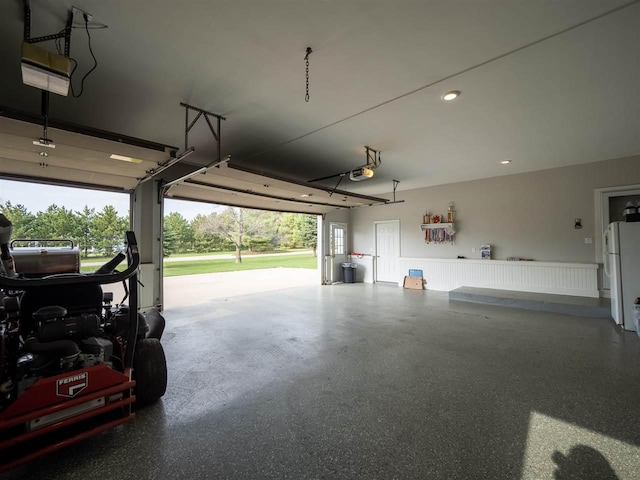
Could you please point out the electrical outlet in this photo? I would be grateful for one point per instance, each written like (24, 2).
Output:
(79, 15)
(588, 240)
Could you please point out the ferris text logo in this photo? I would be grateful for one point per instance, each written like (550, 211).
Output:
(73, 385)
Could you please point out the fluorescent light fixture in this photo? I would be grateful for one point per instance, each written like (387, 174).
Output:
(505, 162)
(452, 95)
(124, 158)
(45, 70)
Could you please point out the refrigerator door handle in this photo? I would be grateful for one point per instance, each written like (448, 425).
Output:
(605, 253)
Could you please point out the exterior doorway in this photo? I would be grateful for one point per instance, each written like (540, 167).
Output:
(338, 244)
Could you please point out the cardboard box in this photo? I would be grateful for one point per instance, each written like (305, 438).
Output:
(414, 283)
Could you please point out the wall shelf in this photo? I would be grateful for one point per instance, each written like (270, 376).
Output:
(438, 232)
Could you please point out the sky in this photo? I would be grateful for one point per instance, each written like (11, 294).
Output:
(36, 198)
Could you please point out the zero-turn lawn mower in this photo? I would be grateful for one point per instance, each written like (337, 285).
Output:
(71, 364)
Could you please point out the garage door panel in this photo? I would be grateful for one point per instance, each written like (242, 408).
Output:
(57, 158)
(222, 197)
(68, 176)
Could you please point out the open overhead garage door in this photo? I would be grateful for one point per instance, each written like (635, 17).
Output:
(76, 156)
(233, 185)
(89, 158)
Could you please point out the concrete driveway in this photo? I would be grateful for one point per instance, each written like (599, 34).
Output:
(185, 290)
(195, 289)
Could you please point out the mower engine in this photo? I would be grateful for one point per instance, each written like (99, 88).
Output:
(60, 344)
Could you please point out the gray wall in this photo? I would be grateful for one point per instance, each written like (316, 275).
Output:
(528, 215)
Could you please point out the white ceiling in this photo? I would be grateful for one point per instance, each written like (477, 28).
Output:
(545, 83)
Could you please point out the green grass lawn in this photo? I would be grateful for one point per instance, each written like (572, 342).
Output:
(248, 263)
(179, 255)
(233, 252)
(172, 269)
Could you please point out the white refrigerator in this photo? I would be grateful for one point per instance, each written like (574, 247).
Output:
(621, 256)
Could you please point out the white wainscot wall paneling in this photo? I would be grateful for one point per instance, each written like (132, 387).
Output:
(579, 279)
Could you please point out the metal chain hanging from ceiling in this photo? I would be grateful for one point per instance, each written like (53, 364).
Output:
(306, 59)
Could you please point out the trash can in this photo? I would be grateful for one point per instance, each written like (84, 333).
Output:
(349, 272)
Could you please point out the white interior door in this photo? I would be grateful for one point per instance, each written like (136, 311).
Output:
(387, 250)
(338, 250)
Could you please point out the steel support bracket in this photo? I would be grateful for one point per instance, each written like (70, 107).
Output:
(373, 157)
(188, 125)
(215, 131)
(65, 33)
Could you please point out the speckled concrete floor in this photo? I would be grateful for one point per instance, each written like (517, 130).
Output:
(376, 382)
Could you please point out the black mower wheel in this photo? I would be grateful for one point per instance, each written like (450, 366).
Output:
(149, 371)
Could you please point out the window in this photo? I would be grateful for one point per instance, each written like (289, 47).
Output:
(337, 241)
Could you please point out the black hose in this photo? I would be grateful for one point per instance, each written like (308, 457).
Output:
(62, 348)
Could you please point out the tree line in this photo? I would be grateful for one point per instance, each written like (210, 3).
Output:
(102, 232)
(239, 229)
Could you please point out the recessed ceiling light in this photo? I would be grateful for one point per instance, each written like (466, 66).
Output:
(505, 162)
(124, 158)
(452, 95)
